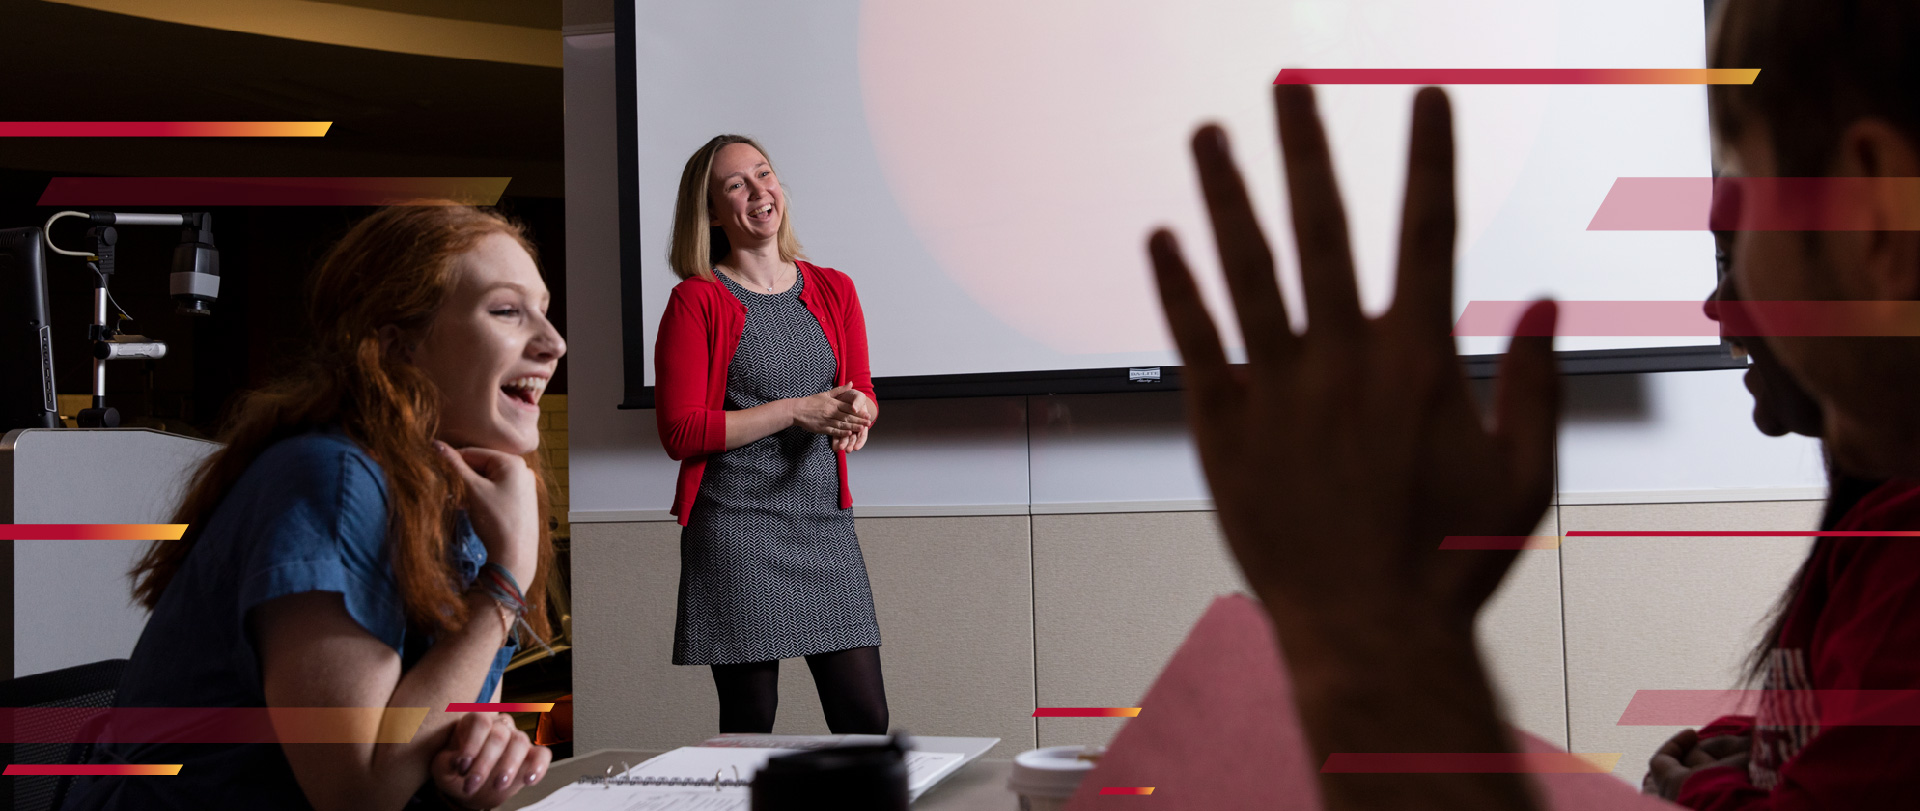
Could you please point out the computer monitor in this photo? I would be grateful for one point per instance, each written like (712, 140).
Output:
(26, 338)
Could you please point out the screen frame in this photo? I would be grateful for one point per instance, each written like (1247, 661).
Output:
(637, 395)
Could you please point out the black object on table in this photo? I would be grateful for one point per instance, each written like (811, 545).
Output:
(853, 778)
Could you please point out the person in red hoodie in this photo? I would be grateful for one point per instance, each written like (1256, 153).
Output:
(762, 388)
(1723, 750)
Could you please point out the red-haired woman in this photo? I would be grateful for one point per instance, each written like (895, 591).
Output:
(361, 539)
(762, 390)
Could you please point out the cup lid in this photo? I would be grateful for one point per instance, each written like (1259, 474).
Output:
(1054, 771)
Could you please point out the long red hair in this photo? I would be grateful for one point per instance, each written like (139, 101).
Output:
(392, 269)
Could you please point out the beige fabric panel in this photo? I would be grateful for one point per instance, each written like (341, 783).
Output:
(955, 601)
(1666, 613)
(1116, 593)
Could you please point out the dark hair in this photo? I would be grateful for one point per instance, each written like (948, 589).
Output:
(1824, 64)
(1843, 492)
(394, 268)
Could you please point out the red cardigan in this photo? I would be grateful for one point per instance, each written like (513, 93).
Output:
(1856, 622)
(698, 336)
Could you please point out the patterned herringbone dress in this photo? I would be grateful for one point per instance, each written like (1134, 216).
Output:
(769, 564)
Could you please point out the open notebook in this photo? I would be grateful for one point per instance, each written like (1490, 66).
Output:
(714, 775)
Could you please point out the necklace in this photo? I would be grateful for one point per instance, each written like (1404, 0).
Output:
(742, 280)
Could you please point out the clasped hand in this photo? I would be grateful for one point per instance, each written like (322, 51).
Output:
(843, 413)
(487, 760)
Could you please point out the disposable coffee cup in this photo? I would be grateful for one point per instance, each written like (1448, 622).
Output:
(1046, 778)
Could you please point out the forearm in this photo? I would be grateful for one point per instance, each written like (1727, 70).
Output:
(751, 424)
(452, 671)
(1417, 687)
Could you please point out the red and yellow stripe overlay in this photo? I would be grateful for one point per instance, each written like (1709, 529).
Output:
(500, 706)
(92, 769)
(1517, 76)
(1087, 712)
(164, 129)
(1126, 790)
(92, 532)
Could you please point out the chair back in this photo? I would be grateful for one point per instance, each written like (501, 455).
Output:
(82, 686)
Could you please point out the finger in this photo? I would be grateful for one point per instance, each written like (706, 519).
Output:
(536, 765)
(469, 737)
(1244, 255)
(1423, 284)
(489, 754)
(1319, 219)
(1667, 773)
(1680, 743)
(490, 464)
(508, 768)
(457, 462)
(446, 776)
(1527, 404)
(860, 439)
(1204, 363)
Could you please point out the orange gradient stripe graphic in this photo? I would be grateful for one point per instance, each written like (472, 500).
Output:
(500, 706)
(92, 532)
(1087, 712)
(1136, 790)
(270, 191)
(164, 129)
(92, 769)
(1470, 763)
(1517, 76)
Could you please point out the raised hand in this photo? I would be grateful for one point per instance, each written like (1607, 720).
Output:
(1341, 458)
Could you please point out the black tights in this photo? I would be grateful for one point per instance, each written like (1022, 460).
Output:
(849, 683)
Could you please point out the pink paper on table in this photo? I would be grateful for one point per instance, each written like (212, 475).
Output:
(1218, 731)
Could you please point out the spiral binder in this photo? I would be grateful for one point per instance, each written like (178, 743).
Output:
(609, 780)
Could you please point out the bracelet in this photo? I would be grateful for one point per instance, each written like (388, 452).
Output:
(499, 584)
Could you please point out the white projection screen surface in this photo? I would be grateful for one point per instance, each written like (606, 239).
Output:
(987, 171)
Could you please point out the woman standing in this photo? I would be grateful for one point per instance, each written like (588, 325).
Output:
(762, 389)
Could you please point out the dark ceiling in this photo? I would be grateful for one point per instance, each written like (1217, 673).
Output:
(394, 114)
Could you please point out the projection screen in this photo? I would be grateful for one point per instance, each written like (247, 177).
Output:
(987, 172)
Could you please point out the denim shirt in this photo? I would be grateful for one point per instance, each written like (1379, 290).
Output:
(310, 514)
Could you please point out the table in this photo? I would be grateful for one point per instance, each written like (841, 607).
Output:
(977, 786)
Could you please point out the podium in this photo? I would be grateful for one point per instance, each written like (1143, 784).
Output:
(71, 601)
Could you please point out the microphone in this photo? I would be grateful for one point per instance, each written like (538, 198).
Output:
(195, 282)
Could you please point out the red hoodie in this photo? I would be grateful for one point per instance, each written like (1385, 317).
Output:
(1855, 625)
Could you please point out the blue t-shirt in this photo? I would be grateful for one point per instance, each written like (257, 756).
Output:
(310, 514)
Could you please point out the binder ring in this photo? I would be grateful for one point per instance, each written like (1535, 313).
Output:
(607, 781)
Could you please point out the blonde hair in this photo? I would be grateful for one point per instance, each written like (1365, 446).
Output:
(697, 244)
